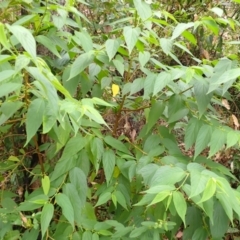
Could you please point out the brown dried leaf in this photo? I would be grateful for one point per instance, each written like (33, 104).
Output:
(235, 121)
(225, 104)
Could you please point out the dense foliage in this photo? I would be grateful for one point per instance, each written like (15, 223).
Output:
(119, 119)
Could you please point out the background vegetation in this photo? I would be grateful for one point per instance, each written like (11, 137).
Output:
(119, 119)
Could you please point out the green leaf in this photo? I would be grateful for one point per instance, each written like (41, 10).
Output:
(161, 81)
(180, 205)
(75, 198)
(203, 139)
(232, 138)
(21, 62)
(79, 180)
(181, 113)
(49, 44)
(198, 183)
(167, 175)
(131, 36)
(94, 115)
(73, 146)
(225, 202)
(101, 102)
(191, 132)
(67, 209)
(220, 222)
(103, 198)
(95, 236)
(87, 235)
(190, 37)
(8, 109)
(200, 233)
(138, 231)
(116, 144)
(160, 197)
(211, 24)
(218, 140)
(227, 76)
(203, 99)
(112, 46)
(143, 9)
(45, 184)
(34, 117)
(6, 74)
(81, 63)
(25, 37)
(46, 217)
(121, 199)
(119, 66)
(209, 190)
(217, 11)
(180, 28)
(156, 111)
(86, 40)
(166, 45)
(108, 160)
(3, 37)
(137, 85)
(143, 58)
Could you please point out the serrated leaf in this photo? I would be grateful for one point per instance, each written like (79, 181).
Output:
(191, 132)
(131, 36)
(112, 46)
(220, 223)
(79, 180)
(45, 184)
(46, 217)
(80, 63)
(198, 183)
(76, 199)
(119, 66)
(116, 144)
(137, 85)
(218, 140)
(154, 114)
(34, 117)
(232, 139)
(49, 44)
(203, 139)
(86, 40)
(225, 202)
(180, 28)
(144, 58)
(143, 9)
(227, 76)
(108, 160)
(121, 199)
(211, 24)
(66, 206)
(200, 233)
(3, 37)
(138, 231)
(209, 190)
(203, 99)
(166, 45)
(25, 37)
(160, 197)
(73, 146)
(161, 81)
(103, 198)
(6, 74)
(180, 205)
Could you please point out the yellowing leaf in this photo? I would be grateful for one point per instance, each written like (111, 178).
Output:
(115, 89)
